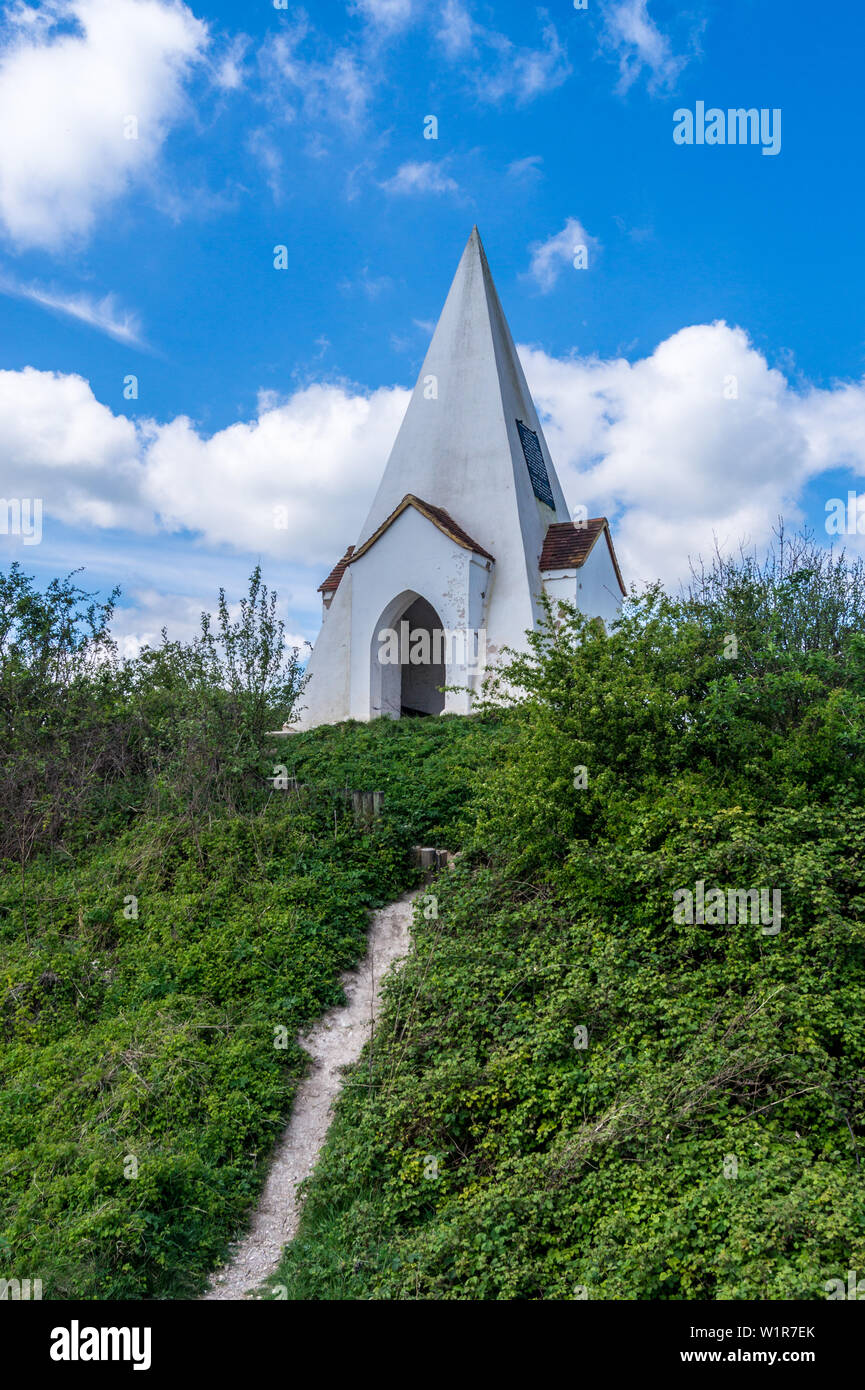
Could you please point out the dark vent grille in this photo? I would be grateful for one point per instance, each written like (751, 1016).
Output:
(535, 464)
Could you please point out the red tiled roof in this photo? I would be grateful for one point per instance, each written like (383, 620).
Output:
(438, 516)
(567, 546)
(331, 584)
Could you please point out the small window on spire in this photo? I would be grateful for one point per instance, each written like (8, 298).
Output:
(536, 466)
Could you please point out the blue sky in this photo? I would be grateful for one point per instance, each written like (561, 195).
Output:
(260, 126)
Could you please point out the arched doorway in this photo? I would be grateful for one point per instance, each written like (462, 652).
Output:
(407, 659)
(423, 668)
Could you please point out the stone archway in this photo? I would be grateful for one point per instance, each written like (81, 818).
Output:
(407, 659)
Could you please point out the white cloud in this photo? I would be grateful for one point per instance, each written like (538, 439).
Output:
(499, 69)
(548, 258)
(420, 177)
(229, 73)
(139, 623)
(322, 90)
(386, 14)
(634, 233)
(103, 314)
(661, 443)
(527, 169)
(59, 443)
(370, 285)
(522, 74)
(456, 30)
(318, 455)
(638, 43)
(145, 611)
(65, 95)
(336, 87)
(263, 147)
(327, 90)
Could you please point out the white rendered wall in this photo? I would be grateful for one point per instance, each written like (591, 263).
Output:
(412, 559)
(593, 587)
(326, 697)
(599, 593)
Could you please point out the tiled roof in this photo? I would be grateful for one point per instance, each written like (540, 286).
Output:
(438, 516)
(567, 546)
(331, 584)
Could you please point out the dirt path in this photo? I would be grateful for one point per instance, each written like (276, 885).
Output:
(332, 1043)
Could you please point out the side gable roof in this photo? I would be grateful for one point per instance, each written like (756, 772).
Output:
(568, 546)
(437, 515)
(331, 584)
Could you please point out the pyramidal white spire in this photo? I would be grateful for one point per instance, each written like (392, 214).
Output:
(460, 445)
(468, 531)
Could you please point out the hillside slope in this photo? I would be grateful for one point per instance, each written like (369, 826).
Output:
(599, 1075)
(581, 1093)
(154, 979)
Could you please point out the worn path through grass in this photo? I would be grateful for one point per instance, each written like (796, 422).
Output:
(333, 1043)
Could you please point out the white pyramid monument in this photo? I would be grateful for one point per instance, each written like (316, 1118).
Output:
(468, 527)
